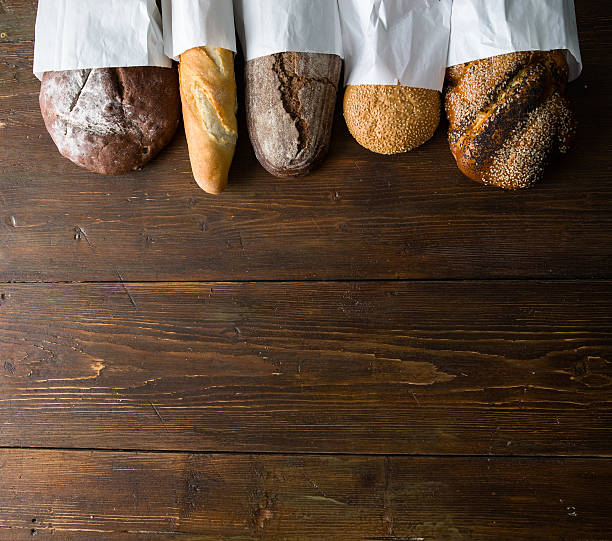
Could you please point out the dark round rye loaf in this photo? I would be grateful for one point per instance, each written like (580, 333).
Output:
(111, 120)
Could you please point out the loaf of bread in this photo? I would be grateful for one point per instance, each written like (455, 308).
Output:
(290, 101)
(208, 93)
(111, 120)
(508, 116)
(391, 119)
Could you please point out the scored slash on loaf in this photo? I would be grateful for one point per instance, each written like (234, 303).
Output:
(111, 120)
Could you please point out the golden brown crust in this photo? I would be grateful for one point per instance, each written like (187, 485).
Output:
(508, 116)
(208, 93)
(391, 119)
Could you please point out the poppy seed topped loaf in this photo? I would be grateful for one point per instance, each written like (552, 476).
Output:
(508, 116)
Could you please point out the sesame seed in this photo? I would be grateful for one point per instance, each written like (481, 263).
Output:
(508, 116)
(389, 119)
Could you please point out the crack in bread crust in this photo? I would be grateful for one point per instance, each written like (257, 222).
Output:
(290, 101)
(290, 85)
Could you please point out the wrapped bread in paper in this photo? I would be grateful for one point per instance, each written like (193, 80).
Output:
(293, 51)
(109, 95)
(395, 58)
(200, 35)
(509, 65)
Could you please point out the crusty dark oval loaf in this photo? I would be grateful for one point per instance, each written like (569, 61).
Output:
(111, 120)
(508, 116)
(290, 100)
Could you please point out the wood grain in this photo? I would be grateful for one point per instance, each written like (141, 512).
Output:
(466, 377)
(360, 216)
(143, 496)
(449, 368)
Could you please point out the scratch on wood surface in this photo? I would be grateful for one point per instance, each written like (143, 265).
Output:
(392, 538)
(125, 288)
(160, 417)
(324, 499)
(18, 40)
(63, 529)
(155, 532)
(415, 399)
(79, 233)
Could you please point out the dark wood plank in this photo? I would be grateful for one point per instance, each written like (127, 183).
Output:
(359, 216)
(137, 496)
(459, 368)
(16, 21)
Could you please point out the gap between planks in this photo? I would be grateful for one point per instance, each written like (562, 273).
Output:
(536, 279)
(301, 453)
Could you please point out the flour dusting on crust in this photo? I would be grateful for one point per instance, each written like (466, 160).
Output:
(110, 120)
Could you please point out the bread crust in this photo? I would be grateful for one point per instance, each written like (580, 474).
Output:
(391, 119)
(508, 116)
(290, 102)
(208, 93)
(111, 120)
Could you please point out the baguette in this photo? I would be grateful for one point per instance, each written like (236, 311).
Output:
(208, 93)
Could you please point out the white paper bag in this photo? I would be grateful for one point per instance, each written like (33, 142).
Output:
(267, 27)
(197, 23)
(391, 41)
(485, 28)
(83, 34)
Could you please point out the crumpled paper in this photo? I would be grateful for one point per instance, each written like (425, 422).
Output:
(197, 23)
(391, 41)
(267, 27)
(83, 34)
(485, 28)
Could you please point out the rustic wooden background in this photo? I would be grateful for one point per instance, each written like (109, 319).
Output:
(383, 350)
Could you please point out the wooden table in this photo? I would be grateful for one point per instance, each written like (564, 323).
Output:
(383, 350)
